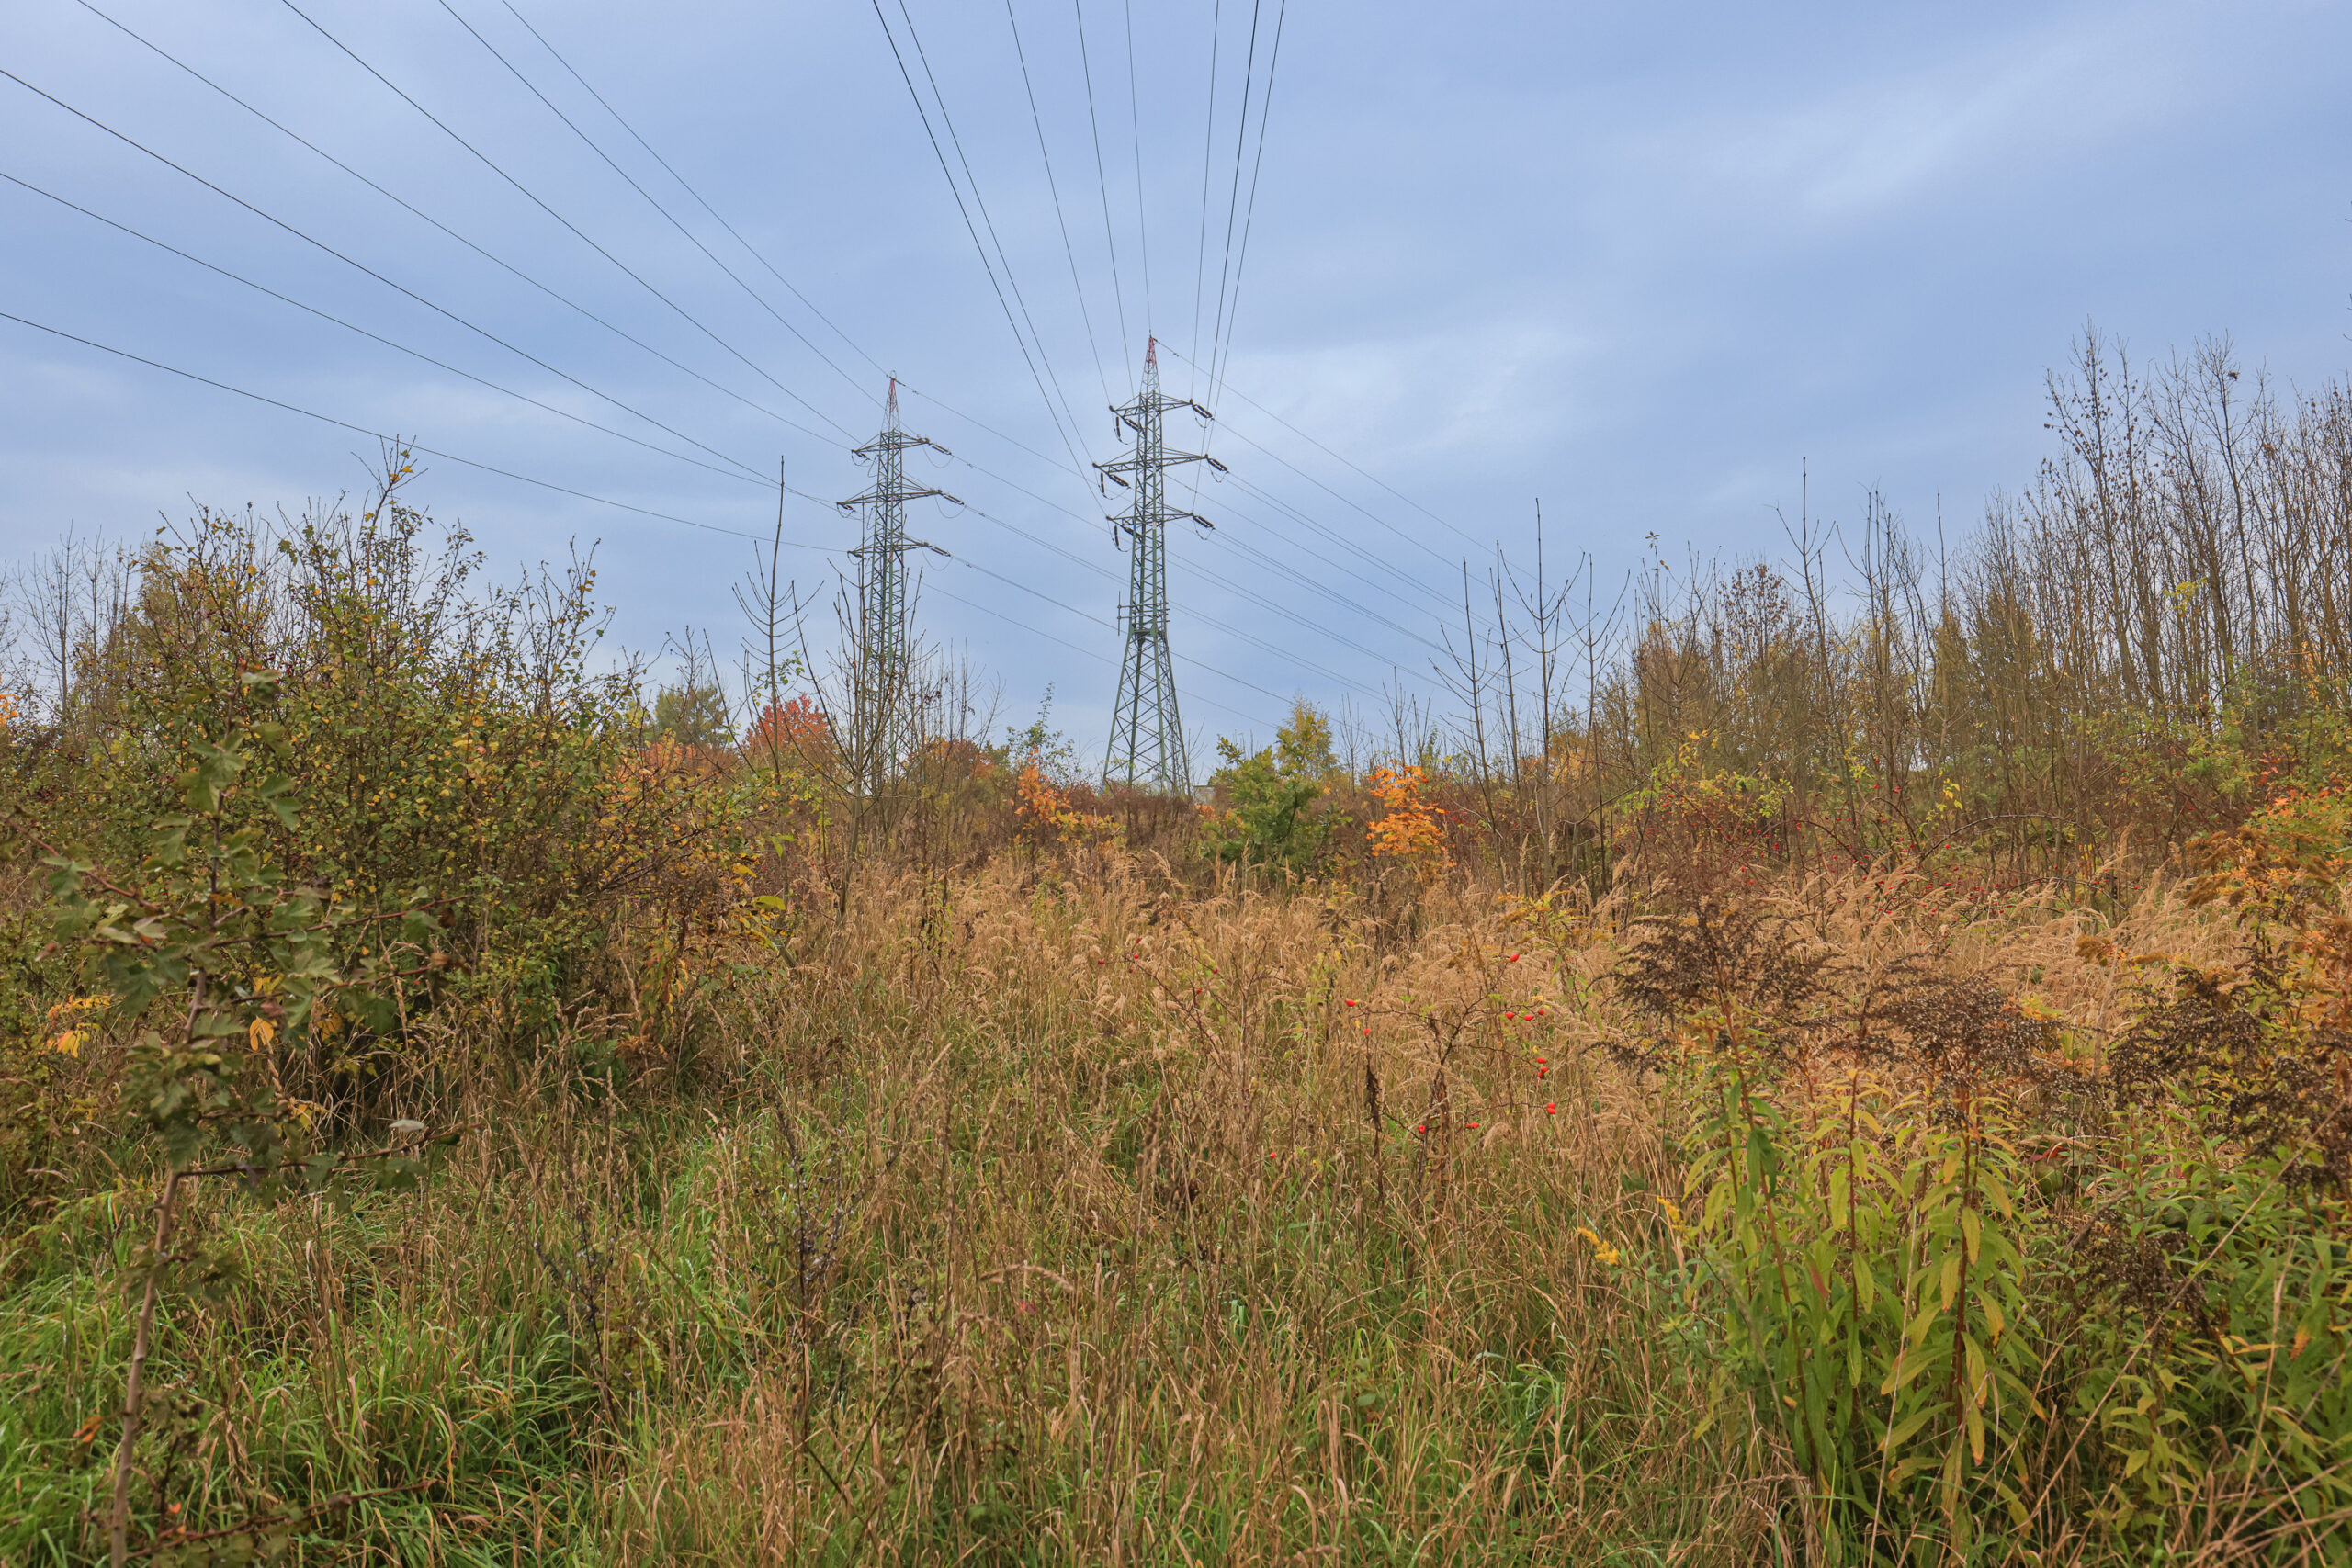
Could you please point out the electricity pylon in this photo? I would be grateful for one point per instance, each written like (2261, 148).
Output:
(1147, 734)
(883, 702)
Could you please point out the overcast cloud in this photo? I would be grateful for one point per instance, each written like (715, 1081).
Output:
(1638, 262)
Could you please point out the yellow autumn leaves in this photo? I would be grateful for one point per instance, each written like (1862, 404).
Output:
(68, 1037)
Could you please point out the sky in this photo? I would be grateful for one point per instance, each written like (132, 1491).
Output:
(1642, 265)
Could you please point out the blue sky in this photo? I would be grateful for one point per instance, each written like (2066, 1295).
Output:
(1638, 262)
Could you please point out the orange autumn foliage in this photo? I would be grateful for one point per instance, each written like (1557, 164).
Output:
(792, 729)
(1045, 812)
(1409, 829)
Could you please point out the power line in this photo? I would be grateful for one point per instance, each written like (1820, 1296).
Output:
(760, 257)
(418, 212)
(1233, 199)
(566, 490)
(1102, 184)
(1481, 545)
(754, 251)
(1281, 611)
(1313, 586)
(1265, 109)
(1054, 187)
(606, 430)
(1134, 121)
(747, 474)
(1241, 143)
(1419, 585)
(1225, 626)
(1013, 282)
(410, 445)
(1409, 538)
(360, 265)
(956, 191)
(1341, 542)
(1208, 145)
(528, 195)
(1278, 504)
(1185, 658)
(690, 238)
(1283, 507)
(1097, 656)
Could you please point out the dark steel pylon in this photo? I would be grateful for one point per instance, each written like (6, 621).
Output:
(884, 701)
(1146, 733)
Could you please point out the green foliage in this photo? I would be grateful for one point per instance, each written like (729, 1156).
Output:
(1303, 746)
(1269, 797)
(1876, 1311)
(1267, 820)
(235, 981)
(2013, 1300)
(451, 742)
(692, 714)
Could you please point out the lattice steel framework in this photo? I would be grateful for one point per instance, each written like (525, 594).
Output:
(884, 699)
(1146, 733)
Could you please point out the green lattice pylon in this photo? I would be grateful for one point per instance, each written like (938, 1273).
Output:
(884, 701)
(1146, 733)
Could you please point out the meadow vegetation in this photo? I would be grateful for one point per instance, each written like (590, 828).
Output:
(1787, 1065)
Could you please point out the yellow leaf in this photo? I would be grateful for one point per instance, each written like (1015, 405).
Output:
(68, 1043)
(260, 1032)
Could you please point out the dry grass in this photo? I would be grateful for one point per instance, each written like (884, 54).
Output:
(1048, 1216)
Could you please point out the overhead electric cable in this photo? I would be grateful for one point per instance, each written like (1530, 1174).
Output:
(418, 212)
(1315, 586)
(1336, 457)
(1098, 657)
(1053, 187)
(1419, 585)
(1099, 621)
(410, 446)
(492, 164)
(653, 202)
(753, 250)
(1225, 626)
(1102, 185)
(1135, 123)
(588, 496)
(360, 265)
(1282, 611)
(760, 538)
(1340, 542)
(747, 476)
(1077, 464)
(1249, 213)
(1232, 200)
(914, 36)
(1208, 147)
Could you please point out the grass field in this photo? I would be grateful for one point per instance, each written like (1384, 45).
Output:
(1852, 1080)
(1059, 1215)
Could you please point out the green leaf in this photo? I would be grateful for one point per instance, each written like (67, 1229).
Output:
(1904, 1433)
